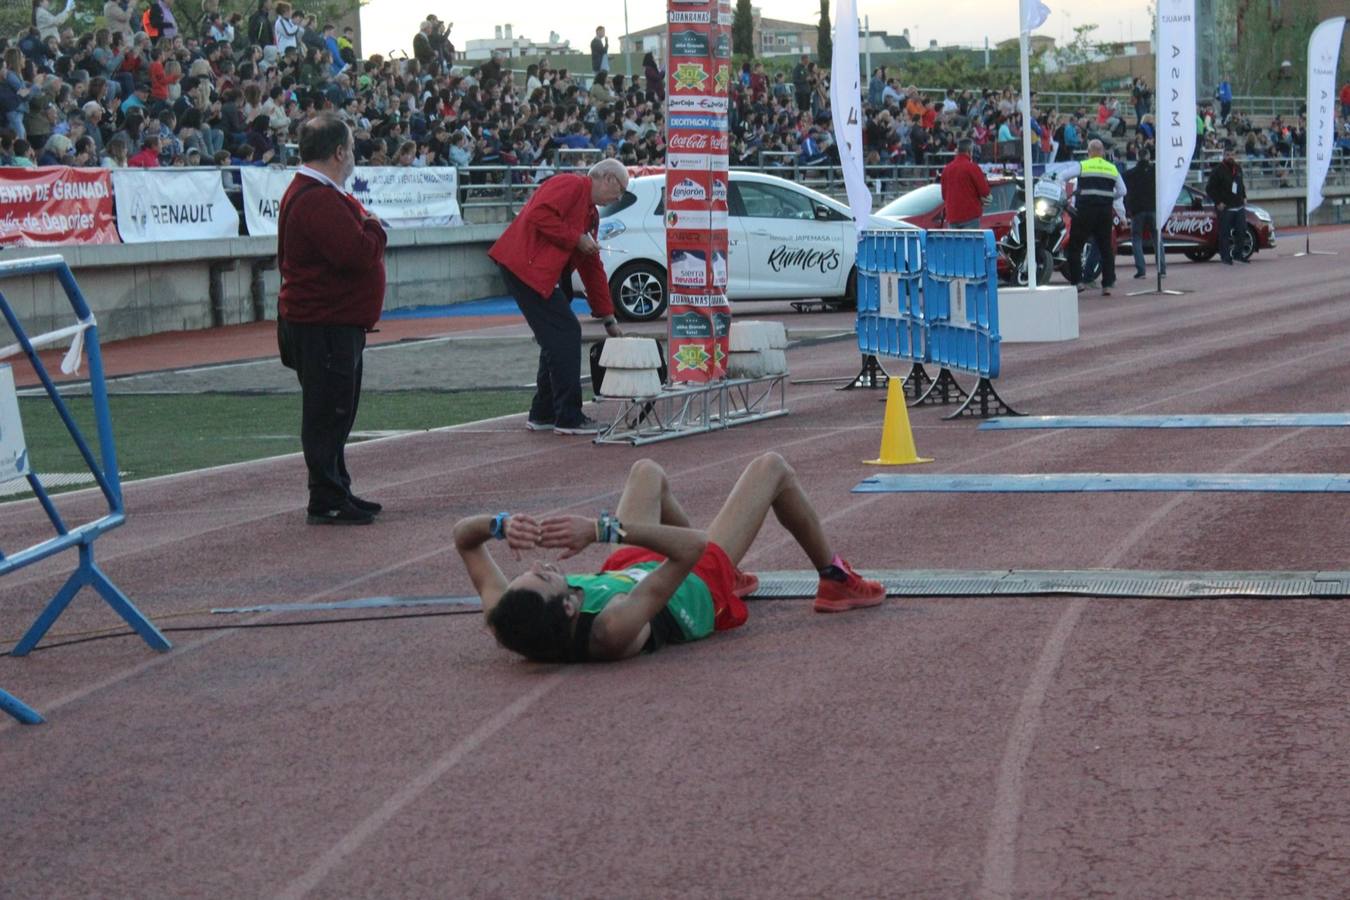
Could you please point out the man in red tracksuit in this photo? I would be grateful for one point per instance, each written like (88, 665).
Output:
(964, 188)
(553, 235)
(330, 252)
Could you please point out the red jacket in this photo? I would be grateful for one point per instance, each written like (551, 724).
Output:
(963, 189)
(540, 246)
(331, 255)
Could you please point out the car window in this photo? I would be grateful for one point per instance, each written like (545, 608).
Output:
(626, 199)
(1005, 197)
(915, 203)
(769, 201)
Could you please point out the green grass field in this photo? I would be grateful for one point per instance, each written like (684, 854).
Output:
(162, 434)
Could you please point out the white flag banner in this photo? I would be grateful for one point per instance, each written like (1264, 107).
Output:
(1175, 125)
(1323, 49)
(1034, 14)
(263, 190)
(171, 205)
(846, 110)
(404, 196)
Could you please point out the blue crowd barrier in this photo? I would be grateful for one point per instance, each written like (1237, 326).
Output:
(890, 295)
(961, 300)
(103, 468)
(932, 297)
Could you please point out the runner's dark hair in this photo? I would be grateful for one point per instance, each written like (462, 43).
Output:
(536, 628)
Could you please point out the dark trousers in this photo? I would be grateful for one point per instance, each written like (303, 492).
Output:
(557, 392)
(1094, 223)
(1138, 222)
(1229, 220)
(327, 362)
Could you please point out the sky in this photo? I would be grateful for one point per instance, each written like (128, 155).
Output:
(390, 24)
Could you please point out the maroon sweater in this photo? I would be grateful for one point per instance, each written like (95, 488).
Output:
(331, 256)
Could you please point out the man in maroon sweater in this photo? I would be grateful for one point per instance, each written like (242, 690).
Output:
(330, 251)
(553, 235)
(965, 190)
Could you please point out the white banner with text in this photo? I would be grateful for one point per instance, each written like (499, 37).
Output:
(1176, 100)
(168, 205)
(404, 197)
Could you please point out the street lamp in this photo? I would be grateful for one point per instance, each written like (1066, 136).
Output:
(627, 60)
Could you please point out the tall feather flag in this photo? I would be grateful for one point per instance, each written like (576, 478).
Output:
(1034, 14)
(846, 110)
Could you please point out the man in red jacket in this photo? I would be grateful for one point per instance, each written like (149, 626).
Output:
(330, 252)
(964, 188)
(553, 235)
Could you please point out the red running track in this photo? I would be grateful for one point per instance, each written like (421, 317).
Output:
(992, 747)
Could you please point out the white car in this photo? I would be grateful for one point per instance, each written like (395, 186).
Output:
(784, 242)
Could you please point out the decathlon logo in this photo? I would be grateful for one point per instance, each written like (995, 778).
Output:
(699, 123)
(689, 189)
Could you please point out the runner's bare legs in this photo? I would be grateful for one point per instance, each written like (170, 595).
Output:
(769, 483)
(647, 498)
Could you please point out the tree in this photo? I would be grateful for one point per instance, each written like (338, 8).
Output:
(824, 41)
(1263, 38)
(743, 30)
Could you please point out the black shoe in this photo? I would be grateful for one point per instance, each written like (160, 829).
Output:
(369, 506)
(1141, 275)
(584, 425)
(341, 515)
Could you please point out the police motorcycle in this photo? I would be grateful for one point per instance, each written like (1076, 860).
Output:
(1048, 208)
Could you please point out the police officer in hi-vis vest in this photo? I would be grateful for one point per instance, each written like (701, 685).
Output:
(1097, 199)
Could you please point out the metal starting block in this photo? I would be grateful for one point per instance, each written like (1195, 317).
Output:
(681, 410)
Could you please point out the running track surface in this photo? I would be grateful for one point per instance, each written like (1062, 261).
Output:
(931, 747)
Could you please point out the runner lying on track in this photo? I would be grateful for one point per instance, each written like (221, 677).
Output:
(670, 584)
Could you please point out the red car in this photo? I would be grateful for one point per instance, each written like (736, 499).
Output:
(1193, 229)
(924, 207)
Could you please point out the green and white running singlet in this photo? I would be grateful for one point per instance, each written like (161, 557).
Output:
(691, 606)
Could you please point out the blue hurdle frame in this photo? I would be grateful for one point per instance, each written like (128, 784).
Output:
(87, 573)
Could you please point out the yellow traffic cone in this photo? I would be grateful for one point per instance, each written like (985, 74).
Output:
(897, 441)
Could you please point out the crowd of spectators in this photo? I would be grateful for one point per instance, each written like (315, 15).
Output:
(144, 89)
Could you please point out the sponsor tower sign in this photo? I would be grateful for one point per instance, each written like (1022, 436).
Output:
(697, 145)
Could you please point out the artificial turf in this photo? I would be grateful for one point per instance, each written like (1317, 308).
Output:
(165, 433)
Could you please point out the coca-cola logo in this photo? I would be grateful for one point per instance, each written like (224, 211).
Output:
(785, 257)
(1189, 225)
(689, 189)
(718, 143)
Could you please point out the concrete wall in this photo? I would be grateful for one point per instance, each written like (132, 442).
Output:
(140, 289)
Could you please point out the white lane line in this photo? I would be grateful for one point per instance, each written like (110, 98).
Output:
(999, 875)
(352, 841)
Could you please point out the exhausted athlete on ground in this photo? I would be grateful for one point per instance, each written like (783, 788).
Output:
(669, 583)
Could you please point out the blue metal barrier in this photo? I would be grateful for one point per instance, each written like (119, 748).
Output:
(104, 470)
(961, 298)
(890, 294)
(932, 297)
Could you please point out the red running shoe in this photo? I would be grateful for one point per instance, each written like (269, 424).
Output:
(853, 592)
(746, 584)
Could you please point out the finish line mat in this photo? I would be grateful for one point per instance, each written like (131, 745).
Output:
(1273, 420)
(800, 585)
(1082, 482)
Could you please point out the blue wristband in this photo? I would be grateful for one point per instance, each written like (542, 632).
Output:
(499, 525)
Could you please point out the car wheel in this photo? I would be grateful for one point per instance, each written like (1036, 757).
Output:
(1204, 255)
(850, 298)
(639, 292)
(1244, 242)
